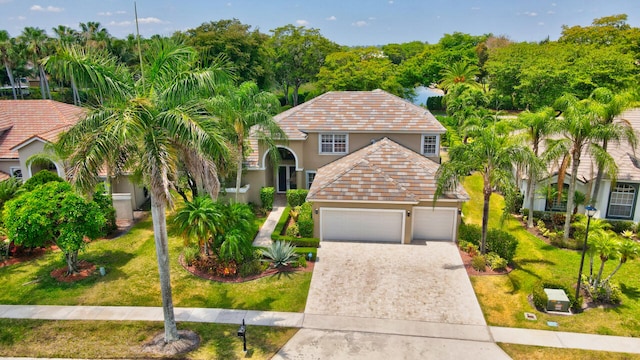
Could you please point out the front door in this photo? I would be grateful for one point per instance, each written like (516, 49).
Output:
(286, 178)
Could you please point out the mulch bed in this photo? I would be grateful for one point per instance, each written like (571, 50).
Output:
(26, 255)
(237, 279)
(85, 270)
(466, 260)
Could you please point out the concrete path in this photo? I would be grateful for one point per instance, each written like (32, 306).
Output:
(263, 239)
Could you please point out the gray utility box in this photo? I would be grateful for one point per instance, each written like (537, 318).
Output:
(557, 300)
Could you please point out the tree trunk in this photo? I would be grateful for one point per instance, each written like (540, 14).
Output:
(296, 87)
(597, 282)
(572, 191)
(72, 262)
(46, 82)
(531, 186)
(239, 170)
(41, 81)
(12, 81)
(614, 271)
(162, 251)
(485, 212)
(596, 185)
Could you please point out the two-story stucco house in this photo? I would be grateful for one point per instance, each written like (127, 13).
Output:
(26, 126)
(369, 159)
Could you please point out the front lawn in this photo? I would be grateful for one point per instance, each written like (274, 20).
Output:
(504, 298)
(132, 280)
(124, 339)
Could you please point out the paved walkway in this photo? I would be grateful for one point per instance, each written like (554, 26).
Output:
(348, 333)
(263, 239)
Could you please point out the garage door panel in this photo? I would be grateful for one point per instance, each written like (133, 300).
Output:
(434, 223)
(362, 225)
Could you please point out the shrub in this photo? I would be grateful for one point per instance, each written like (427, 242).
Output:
(251, 267)
(620, 226)
(191, 253)
(539, 297)
(306, 242)
(469, 248)
(605, 293)
(105, 203)
(280, 253)
(495, 262)
(434, 103)
(301, 261)
(292, 230)
(470, 233)
(296, 197)
(479, 263)
(538, 290)
(40, 178)
(305, 220)
(304, 252)
(502, 243)
(267, 195)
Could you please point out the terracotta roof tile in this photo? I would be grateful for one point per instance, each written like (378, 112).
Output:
(384, 171)
(21, 120)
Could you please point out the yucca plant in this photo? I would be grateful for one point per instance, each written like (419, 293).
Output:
(280, 253)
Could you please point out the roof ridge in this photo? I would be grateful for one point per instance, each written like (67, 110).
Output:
(283, 115)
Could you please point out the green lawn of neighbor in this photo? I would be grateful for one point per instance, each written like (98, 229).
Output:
(504, 298)
(523, 352)
(132, 279)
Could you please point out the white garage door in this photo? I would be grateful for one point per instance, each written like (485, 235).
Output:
(361, 225)
(434, 223)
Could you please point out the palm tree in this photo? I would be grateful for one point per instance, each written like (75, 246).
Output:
(5, 49)
(537, 127)
(627, 250)
(65, 34)
(459, 73)
(154, 119)
(605, 246)
(492, 154)
(581, 130)
(199, 219)
(37, 41)
(244, 110)
(608, 106)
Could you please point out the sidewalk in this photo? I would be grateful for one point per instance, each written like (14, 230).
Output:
(263, 239)
(414, 329)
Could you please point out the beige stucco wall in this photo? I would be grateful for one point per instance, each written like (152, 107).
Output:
(408, 228)
(33, 148)
(6, 165)
(124, 185)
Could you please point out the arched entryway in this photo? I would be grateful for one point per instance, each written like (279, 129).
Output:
(282, 176)
(47, 165)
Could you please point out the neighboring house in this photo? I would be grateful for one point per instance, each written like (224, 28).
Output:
(616, 200)
(369, 159)
(26, 126)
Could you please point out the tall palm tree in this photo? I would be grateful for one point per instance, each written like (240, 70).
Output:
(246, 109)
(155, 119)
(492, 153)
(459, 73)
(36, 40)
(608, 106)
(5, 57)
(65, 34)
(581, 131)
(537, 126)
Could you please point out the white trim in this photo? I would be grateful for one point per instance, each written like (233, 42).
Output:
(401, 211)
(346, 143)
(306, 177)
(364, 202)
(454, 228)
(264, 158)
(422, 136)
(13, 168)
(288, 178)
(33, 139)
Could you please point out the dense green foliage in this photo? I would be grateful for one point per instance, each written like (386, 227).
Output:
(267, 195)
(280, 253)
(296, 197)
(40, 178)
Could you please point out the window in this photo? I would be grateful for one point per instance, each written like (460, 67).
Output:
(430, 144)
(333, 143)
(310, 176)
(621, 201)
(16, 172)
(554, 203)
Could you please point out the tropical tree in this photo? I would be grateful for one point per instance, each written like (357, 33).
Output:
(5, 57)
(36, 41)
(245, 109)
(235, 241)
(581, 130)
(492, 154)
(199, 219)
(537, 127)
(459, 73)
(154, 119)
(609, 106)
(627, 250)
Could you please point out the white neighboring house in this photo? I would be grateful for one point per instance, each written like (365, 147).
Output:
(26, 126)
(614, 201)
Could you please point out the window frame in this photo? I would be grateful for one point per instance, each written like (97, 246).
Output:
(423, 143)
(333, 144)
(14, 168)
(632, 206)
(309, 174)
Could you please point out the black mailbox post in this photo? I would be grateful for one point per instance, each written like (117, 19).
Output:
(242, 332)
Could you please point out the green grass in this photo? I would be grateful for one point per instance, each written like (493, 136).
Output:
(518, 352)
(503, 298)
(132, 279)
(124, 339)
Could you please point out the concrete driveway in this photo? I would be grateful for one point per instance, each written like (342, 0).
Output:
(390, 281)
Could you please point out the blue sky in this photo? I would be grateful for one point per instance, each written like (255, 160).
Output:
(346, 22)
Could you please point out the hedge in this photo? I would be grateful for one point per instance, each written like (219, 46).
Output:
(304, 251)
(302, 242)
(296, 197)
(498, 241)
(267, 195)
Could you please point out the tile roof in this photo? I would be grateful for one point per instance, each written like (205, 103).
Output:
(357, 111)
(384, 171)
(22, 120)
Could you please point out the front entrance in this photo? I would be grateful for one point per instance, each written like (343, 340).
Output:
(286, 178)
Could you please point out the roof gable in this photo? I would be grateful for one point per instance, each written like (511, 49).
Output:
(25, 120)
(384, 171)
